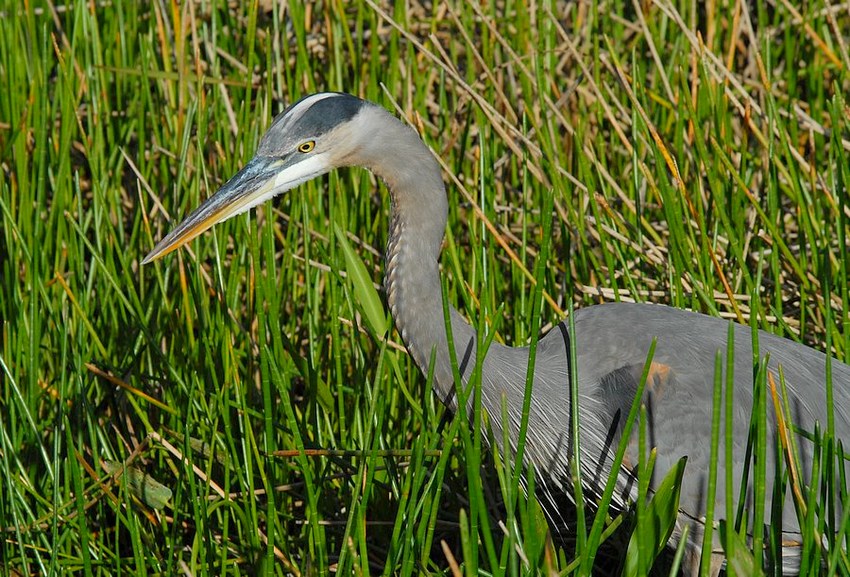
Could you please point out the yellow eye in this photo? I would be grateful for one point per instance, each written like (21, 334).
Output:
(307, 146)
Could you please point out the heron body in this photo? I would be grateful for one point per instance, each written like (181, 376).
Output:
(328, 130)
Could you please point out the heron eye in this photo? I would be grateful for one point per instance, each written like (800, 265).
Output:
(307, 146)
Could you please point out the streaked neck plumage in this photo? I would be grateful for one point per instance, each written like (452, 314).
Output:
(417, 224)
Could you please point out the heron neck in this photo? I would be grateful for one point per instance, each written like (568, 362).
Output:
(419, 210)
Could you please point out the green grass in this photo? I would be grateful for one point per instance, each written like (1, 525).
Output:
(116, 119)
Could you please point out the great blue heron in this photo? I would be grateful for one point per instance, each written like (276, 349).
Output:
(328, 130)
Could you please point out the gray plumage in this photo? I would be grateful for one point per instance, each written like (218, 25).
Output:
(327, 130)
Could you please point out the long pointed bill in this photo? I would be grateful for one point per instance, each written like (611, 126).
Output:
(260, 179)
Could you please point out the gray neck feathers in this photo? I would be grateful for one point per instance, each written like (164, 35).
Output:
(418, 218)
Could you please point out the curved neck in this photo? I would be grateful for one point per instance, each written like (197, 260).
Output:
(419, 211)
(418, 220)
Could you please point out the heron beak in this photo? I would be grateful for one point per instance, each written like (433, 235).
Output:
(259, 180)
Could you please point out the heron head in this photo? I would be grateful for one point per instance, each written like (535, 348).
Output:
(308, 139)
